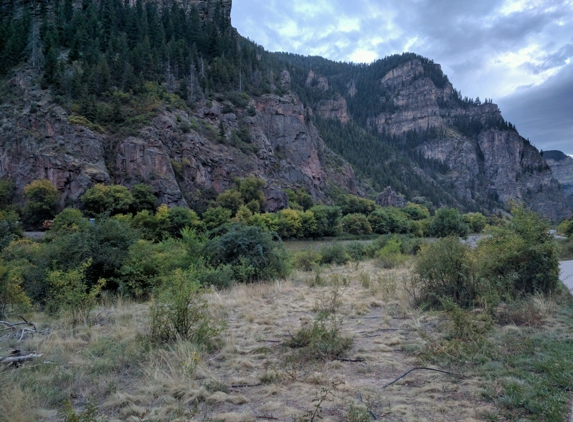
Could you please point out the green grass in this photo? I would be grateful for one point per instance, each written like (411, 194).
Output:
(527, 372)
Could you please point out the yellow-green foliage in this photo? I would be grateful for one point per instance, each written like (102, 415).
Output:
(267, 221)
(69, 293)
(289, 224)
(11, 293)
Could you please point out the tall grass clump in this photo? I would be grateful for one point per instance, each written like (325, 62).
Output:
(180, 312)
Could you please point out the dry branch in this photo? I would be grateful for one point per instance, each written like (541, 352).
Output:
(14, 325)
(419, 369)
(18, 359)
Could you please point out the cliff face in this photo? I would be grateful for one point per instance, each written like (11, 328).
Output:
(490, 164)
(179, 153)
(562, 168)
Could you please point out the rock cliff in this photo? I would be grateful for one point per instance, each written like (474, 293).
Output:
(562, 168)
(180, 154)
(488, 161)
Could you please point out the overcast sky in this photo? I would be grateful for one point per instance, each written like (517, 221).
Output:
(519, 53)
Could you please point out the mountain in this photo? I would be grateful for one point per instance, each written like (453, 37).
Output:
(562, 168)
(168, 93)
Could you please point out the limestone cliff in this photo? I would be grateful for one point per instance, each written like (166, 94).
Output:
(562, 168)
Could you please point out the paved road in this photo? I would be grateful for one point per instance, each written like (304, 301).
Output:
(567, 273)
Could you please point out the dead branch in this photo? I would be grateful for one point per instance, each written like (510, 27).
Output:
(14, 325)
(245, 385)
(270, 417)
(351, 360)
(420, 369)
(8, 360)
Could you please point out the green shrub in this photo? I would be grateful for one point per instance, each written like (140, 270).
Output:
(448, 222)
(476, 221)
(321, 340)
(306, 259)
(216, 217)
(253, 253)
(289, 224)
(334, 254)
(181, 313)
(444, 269)
(10, 228)
(42, 202)
(390, 256)
(68, 221)
(389, 220)
(327, 220)
(181, 217)
(143, 198)
(69, 293)
(356, 224)
(147, 264)
(109, 200)
(12, 296)
(221, 277)
(521, 257)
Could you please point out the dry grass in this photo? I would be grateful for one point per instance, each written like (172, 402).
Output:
(251, 376)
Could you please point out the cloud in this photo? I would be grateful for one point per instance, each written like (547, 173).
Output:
(507, 50)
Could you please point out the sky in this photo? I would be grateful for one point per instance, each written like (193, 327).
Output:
(517, 52)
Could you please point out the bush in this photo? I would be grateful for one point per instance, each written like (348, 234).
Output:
(476, 221)
(390, 256)
(143, 198)
(327, 220)
(147, 264)
(10, 228)
(69, 293)
(181, 313)
(356, 224)
(444, 269)
(306, 260)
(253, 253)
(289, 224)
(109, 200)
(448, 222)
(522, 256)
(181, 217)
(334, 254)
(68, 221)
(216, 217)
(42, 202)
(389, 220)
(11, 293)
(321, 340)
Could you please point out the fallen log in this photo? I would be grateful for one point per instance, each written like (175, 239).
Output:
(19, 359)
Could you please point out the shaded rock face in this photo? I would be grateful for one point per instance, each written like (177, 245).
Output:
(335, 109)
(37, 141)
(562, 168)
(496, 165)
(389, 198)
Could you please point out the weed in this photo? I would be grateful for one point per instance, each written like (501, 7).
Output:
(180, 312)
(329, 303)
(357, 414)
(88, 415)
(321, 340)
(325, 395)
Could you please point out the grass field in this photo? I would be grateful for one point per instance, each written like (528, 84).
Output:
(262, 370)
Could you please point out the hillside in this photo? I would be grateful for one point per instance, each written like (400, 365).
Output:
(169, 94)
(562, 168)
